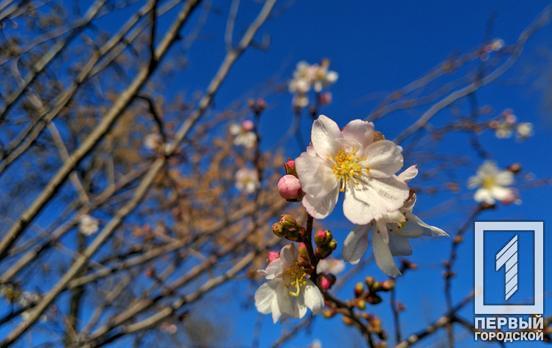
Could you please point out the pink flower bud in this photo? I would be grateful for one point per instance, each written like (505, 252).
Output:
(325, 283)
(273, 255)
(289, 187)
(325, 98)
(248, 125)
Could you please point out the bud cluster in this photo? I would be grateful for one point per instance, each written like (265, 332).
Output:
(288, 228)
(325, 244)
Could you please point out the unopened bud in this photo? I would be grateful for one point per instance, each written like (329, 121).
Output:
(373, 298)
(328, 313)
(361, 304)
(369, 281)
(289, 166)
(347, 320)
(289, 188)
(326, 281)
(387, 285)
(248, 125)
(359, 289)
(272, 256)
(287, 228)
(322, 237)
(514, 168)
(325, 98)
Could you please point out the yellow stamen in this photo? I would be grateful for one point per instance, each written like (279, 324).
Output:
(488, 182)
(347, 168)
(295, 279)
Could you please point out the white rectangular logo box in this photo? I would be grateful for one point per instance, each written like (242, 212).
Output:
(510, 250)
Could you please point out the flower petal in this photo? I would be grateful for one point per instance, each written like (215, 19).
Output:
(265, 300)
(483, 195)
(288, 254)
(385, 156)
(325, 136)
(355, 244)
(391, 192)
(383, 256)
(415, 227)
(274, 269)
(504, 178)
(313, 297)
(316, 176)
(359, 132)
(321, 207)
(409, 173)
(362, 206)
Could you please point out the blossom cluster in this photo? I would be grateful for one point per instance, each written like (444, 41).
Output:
(507, 125)
(360, 164)
(309, 77)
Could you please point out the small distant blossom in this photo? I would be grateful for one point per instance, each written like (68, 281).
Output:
(288, 291)
(247, 180)
(494, 46)
(355, 161)
(289, 187)
(524, 130)
(493, 184)
(330, 265)
(390, 234)
(497, 44)
(152, 141)
(307, 77)
(243, 134)
(316, 344)
(88, 225)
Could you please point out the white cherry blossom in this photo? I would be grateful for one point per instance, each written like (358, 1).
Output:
(524, 130)
(247, 180)
(492, 184)
(288, 291)
(88, 225)
(390, 234)
(350, 161)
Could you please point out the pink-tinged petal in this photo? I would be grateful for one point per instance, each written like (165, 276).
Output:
(321, 207)
(383, 256)
(502, 193)
(384, 155)
(362, 206)
(409, 173)
(355, 244)
(313, 297)
(359, 132)
(316, 177)
(325, 137)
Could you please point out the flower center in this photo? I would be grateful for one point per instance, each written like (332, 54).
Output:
(346, 168)
(488, 182)
(295, 279)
